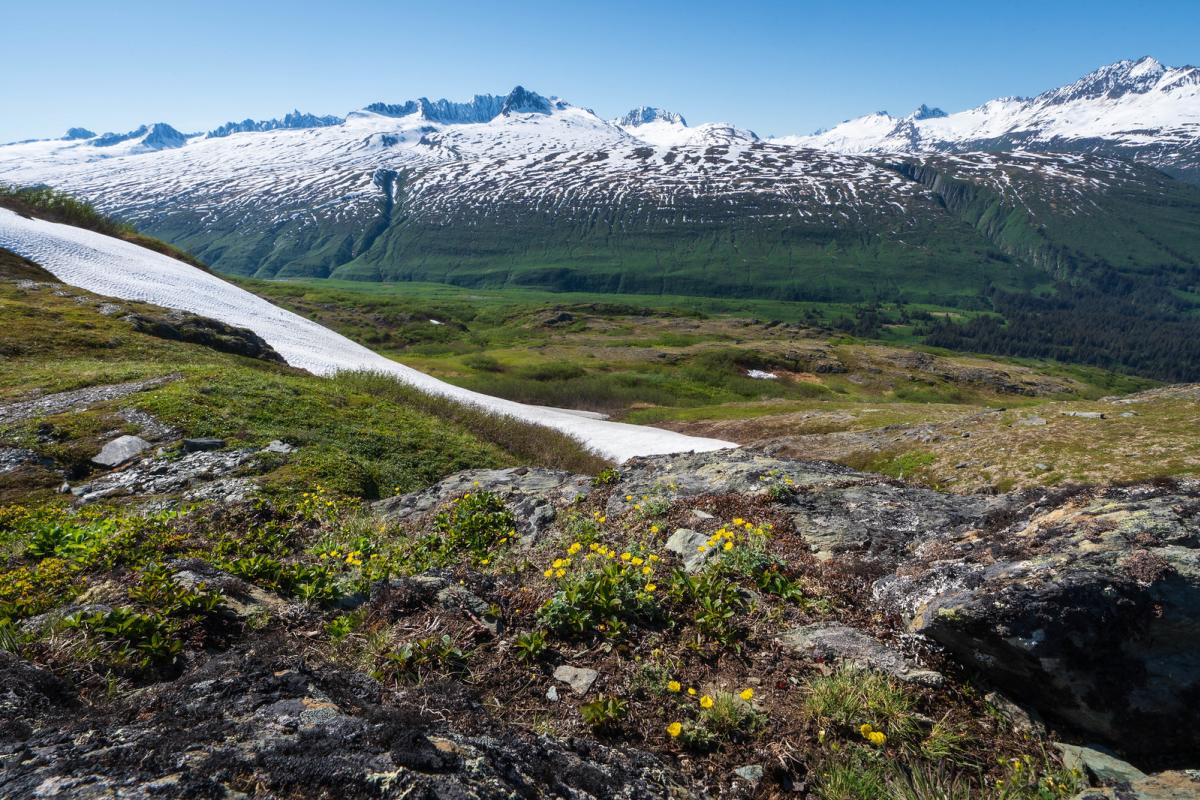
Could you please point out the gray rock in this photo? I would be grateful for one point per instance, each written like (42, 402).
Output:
(1173, 785)
(1031, 420)
(1083, 606)
(1084, 414)
(1098, 765)
(580, 679)
(120, 450)
(282, 448)
(162, 475)
(686, 544)
(202, 444)
(552, 694)
(77, 399)
(531, 494)
(837, 642)
(750, 772)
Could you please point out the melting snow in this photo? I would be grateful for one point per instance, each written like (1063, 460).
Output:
(116, 268)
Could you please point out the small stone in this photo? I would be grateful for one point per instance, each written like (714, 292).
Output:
(552, 694)
(686, 543)
(1034, 420)
(1084, 414)
(276, 446)
(120, 450)
(703, 516)
(580, 679)
(751, 772)
(202, 444)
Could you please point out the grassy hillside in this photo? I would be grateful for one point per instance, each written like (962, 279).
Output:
(953, 421)
(363, 435)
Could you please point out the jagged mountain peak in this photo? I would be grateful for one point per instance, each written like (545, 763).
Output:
(925, 112)
(78, 133)
(292, 120)
(154, 136)
(523, 101)
(644, 115)
(1111, 80)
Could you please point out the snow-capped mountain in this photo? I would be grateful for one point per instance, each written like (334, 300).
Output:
(525, 188)
(1140, 109)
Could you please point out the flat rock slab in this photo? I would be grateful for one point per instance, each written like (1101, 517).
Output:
(530, 493)
(580, 679)
(1175, 785)
(203, 444)
(194, 473)
(837, 642)
(77, 399)
(120, 450)
(1098, 765)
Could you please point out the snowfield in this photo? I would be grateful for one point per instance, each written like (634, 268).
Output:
(115, 268)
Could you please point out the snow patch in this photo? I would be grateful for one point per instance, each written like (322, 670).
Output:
(115, 268)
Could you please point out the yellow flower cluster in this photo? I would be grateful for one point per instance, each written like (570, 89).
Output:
(728, 535)
(352, 557)
(877, 738)
(558, 568)
(600, 518)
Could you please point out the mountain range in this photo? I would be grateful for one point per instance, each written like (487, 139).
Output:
(1081, 189)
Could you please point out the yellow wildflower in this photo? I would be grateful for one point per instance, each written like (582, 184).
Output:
(653, 557)
(865, 730)
(673, 686)
(626, 556)
(646, 570)
(650, 587)
(636, 561)
(877, 738)
(728, 546)
(654, 529)
(691, 690)
(706, 702)
(746, 694)
(674, 729)
(628, 498)
(549, 573)
(560, 573)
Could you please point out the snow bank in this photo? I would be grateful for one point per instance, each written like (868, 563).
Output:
(116, 268)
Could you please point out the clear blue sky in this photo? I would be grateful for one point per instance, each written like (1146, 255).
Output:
(776, 67)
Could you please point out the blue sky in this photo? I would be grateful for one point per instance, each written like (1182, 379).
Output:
(776, 67)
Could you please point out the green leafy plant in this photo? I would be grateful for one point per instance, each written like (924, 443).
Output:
(476, 523)
(714, 601)
(412, 660)
(606, 477)
(605, 712)
(144, 639)
(604, 596)
(531, 646)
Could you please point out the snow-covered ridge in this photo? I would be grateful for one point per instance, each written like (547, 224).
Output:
(116, 268)
(1140, 108)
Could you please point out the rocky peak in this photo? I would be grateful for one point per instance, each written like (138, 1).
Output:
(1112, 80)
(643, 115)
(522, 101)
(79, 133)
(293, 120)
(925, 112)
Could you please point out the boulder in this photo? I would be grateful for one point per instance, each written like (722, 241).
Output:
(120, 450)
(530, 493)
(836, 642)
(1101, 767)
(1085, 607)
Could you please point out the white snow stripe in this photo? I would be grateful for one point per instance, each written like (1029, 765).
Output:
(115, 268)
